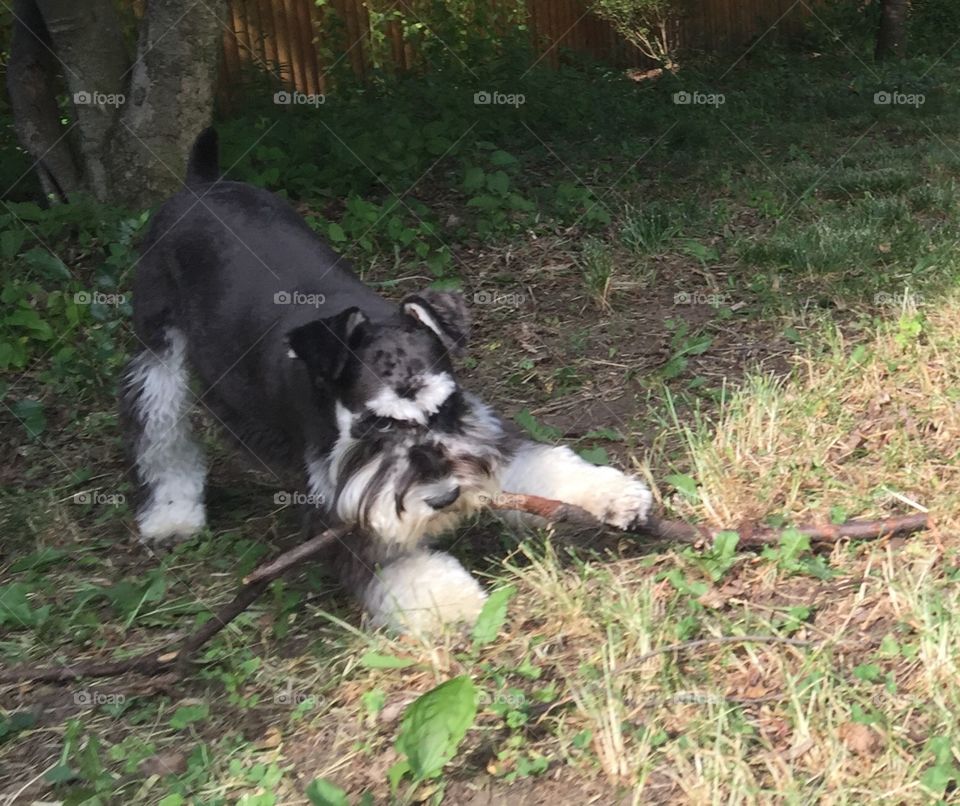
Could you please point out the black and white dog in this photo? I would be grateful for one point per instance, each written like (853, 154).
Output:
(309, 368)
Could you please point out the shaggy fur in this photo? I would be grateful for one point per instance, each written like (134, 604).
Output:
(309, 368)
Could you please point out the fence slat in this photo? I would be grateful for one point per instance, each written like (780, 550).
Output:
(282, 36)
(294, 45)
(287, 36)
(307, 33)
(268, 33)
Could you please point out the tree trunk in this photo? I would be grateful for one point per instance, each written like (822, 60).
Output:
(170, 97)
(31, 86)
(135, 122)
(94, 74)
(892, 34)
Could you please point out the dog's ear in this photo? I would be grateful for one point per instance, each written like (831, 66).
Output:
(324, 345)
(445, 313)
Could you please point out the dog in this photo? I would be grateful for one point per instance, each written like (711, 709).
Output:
(310, 370)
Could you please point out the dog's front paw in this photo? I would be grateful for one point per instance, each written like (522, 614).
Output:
(422, 592)
(629, 504)
(617, 499)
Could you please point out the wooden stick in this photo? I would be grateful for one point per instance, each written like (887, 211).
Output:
(546, 508)
(288, 559)
(178, 656)
(751, 536)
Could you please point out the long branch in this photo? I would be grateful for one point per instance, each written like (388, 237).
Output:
(178, 655)
(751, 535)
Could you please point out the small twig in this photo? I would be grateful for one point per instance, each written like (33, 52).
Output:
(830, 533)
(288, 559)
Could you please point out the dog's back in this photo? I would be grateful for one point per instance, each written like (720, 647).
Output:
(215, 226)
(219, 249)
(234, 268)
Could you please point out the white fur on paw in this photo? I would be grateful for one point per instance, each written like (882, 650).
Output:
(611, 496)
(629, 502)
(174, 520)
(422, 592)
(619, 500)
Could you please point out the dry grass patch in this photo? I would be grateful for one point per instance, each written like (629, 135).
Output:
(868, 428)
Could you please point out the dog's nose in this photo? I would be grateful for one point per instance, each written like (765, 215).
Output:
(445, 499)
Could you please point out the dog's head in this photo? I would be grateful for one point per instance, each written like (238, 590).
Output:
(414, 452)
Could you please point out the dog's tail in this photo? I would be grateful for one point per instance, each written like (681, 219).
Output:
(204, 163)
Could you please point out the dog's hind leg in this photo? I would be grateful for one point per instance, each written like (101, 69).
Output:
(168, 464)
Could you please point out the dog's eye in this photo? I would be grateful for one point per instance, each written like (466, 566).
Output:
(386, 424)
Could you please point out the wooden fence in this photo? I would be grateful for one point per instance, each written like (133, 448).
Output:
(290, 39)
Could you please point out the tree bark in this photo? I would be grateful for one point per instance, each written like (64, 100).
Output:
(892, 34)
(135, 122)
(89, 43)
(32, 87)
(170, 98)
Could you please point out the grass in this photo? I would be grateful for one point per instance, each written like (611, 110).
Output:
(760, 318)
(648, 231)
(598, 271)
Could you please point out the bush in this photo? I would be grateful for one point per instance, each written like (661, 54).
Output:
(643, 23)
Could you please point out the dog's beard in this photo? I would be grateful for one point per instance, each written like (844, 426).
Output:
(370, 482)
